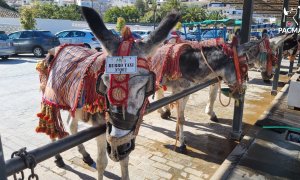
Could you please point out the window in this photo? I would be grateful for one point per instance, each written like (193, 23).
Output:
(15, 35)
(78, 34)
(27, 34)
(3, 37)
(63, 34)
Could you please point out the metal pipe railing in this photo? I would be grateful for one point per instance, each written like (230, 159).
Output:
(16, 164)
(167, 100)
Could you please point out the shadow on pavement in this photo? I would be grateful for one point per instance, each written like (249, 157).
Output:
(260, 82)
(210, 146)
(80, 175)
(13, 61)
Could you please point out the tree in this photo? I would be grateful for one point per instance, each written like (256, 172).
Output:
(215, 15)
(27, 17)
(120, 24)
(140, 6)
(53, 11)
(193, 14)
(129, 13)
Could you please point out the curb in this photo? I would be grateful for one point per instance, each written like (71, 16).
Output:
(233, 159)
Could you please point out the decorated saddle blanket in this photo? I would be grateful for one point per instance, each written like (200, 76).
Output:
(165, 62)
(68, 81)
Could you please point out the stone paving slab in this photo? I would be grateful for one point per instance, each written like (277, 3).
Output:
(266, 154)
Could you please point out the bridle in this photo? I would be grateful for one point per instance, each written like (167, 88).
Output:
(117, 95)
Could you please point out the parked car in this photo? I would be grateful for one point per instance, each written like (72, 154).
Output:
(135, 35)
(189, 36)
(33, 41)
(84, 36)
(6, 46)
(210, 34)
(142, 33)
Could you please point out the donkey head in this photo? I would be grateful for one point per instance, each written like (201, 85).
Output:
(124, 118)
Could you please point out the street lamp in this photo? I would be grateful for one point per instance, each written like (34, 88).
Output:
(155, 5)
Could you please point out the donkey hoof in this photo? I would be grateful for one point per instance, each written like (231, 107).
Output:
(88, 160)
(182, 149)
(59, 162)
(166, 115)
(214, 118)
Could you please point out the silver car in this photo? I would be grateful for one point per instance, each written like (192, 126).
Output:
(85, 37)
(6, 46)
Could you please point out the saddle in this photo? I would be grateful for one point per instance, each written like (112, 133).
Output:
(68, 81)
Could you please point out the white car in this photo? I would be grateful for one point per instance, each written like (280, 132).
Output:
(142, 33)
(6, 46)
(84, 36)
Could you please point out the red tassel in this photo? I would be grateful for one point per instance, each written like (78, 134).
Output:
(164, 87)
(53, 135)
(40, 129)
(40, 115)
(46, 118)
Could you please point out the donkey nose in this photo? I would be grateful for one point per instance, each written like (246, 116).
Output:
(124, 148)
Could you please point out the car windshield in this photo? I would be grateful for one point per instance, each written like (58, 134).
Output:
(47, 33)
(3, 37)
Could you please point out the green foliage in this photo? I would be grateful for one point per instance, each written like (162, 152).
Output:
(129, 13)
(194, 14)
(141, 7)
(53, 11)
(120, 24)
(27, 17)
(215, 15)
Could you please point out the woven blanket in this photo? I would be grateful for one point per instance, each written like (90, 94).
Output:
(71, 83)
(65, 81)
(165, 62)
(206, 43)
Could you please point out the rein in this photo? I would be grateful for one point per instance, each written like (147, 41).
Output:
(219, 80)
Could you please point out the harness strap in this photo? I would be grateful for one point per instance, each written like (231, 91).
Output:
(219, 80)
(237, 65)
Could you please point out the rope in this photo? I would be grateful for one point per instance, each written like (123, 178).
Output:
(219, 81)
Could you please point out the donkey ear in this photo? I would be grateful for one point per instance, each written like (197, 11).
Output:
(96, 24)
(161, 32)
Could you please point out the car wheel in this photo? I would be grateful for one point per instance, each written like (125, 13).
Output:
(87, 46)
(4, 57)
(38, 51)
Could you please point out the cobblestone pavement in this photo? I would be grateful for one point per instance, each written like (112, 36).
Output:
(153, 157)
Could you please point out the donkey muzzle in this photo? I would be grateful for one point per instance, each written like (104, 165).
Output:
(118, 148)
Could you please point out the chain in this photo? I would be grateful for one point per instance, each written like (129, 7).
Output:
(29, 161)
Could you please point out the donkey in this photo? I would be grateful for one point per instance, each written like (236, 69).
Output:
(290, 44)
(194, 69)
(125, 105)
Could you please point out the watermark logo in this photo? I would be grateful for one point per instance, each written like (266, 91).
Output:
(289, 24)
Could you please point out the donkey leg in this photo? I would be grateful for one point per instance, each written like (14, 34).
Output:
(73, 125)
(101, 146)
(163, 114)
(124, 168)
(213, 92)
(180, 122)
(58, 159)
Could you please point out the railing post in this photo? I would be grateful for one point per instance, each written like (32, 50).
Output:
(277, 67)
(291, 68)
(239, 103)
(2, 163)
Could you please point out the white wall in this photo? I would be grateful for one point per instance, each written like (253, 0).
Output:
(56, 25)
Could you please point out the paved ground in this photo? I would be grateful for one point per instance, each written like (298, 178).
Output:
(267, 153)
(153, 158)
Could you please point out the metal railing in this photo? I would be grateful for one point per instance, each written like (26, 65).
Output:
(40, 154)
